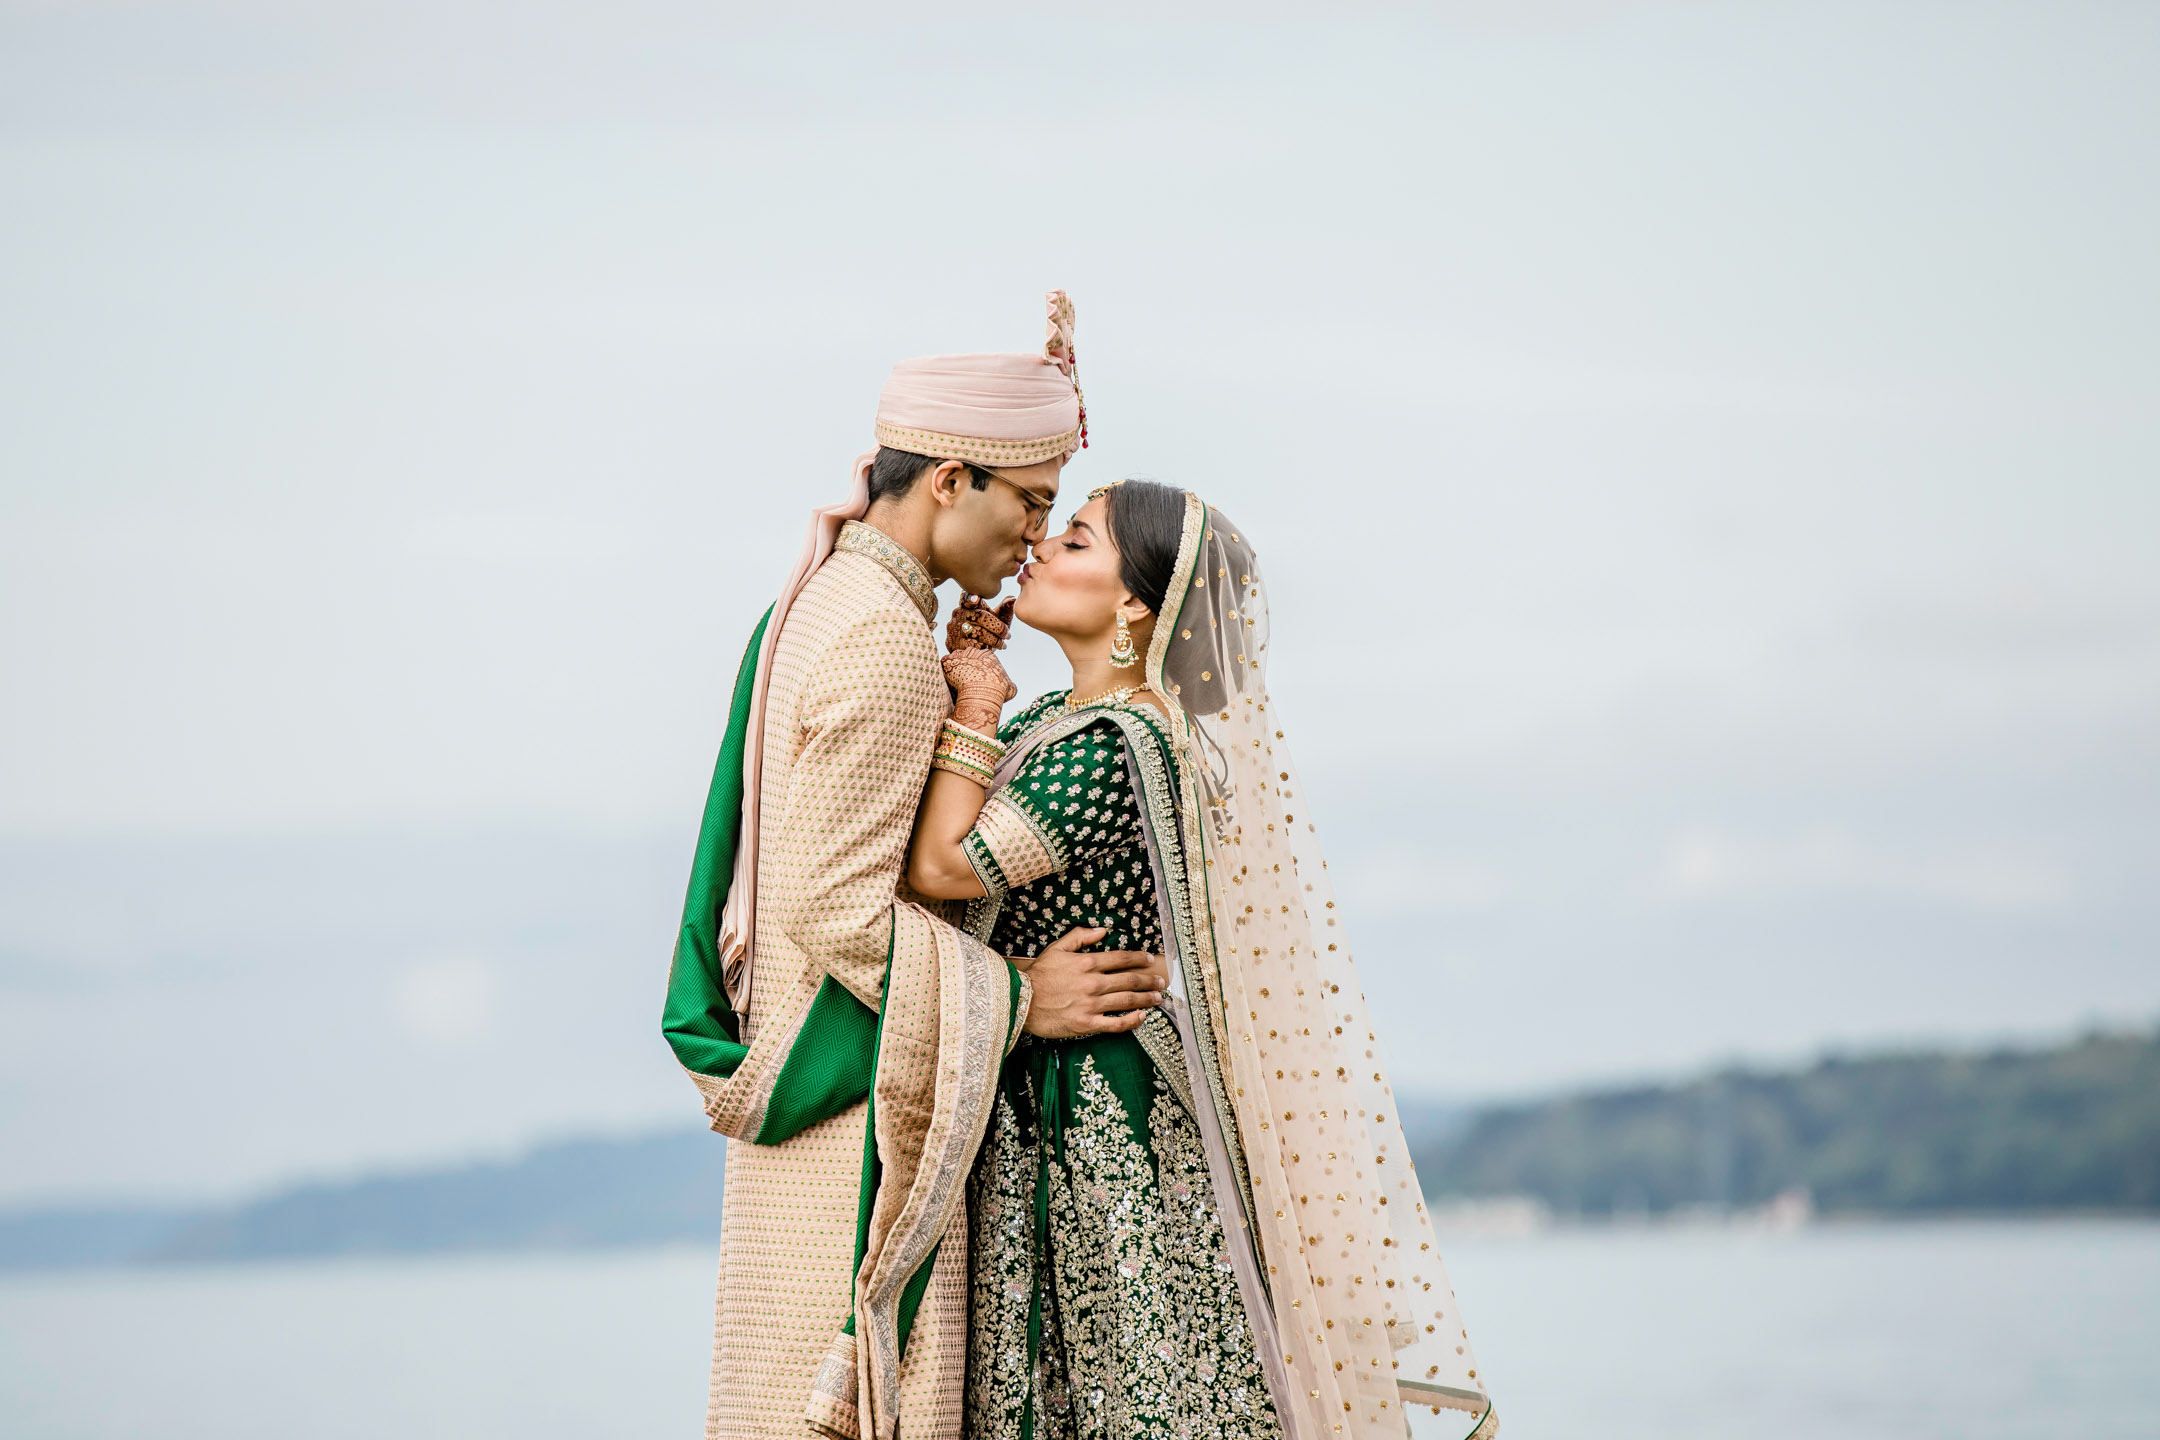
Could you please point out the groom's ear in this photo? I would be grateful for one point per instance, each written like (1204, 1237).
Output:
(946, 479)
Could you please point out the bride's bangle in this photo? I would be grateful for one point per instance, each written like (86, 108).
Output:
(967, 753)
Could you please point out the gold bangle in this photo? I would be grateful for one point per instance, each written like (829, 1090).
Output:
(967, 753)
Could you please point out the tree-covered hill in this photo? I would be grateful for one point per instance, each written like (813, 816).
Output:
(2074, 1128)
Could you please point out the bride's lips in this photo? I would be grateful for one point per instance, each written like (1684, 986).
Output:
(1025, 572)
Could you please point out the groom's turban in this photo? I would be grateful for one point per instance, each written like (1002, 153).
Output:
(986, 409)
(989, 409)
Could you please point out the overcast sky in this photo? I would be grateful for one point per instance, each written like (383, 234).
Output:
(1706, 458)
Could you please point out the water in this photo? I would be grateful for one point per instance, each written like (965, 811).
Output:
(1878, 1332)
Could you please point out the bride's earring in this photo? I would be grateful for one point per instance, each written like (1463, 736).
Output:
(1122, 654)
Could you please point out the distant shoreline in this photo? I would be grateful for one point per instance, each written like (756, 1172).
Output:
(1559, 1232)
(2055, 1135)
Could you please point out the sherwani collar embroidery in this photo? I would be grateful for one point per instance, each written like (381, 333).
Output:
(859, 539)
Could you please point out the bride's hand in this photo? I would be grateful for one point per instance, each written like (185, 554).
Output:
(975, 626)
(980, 688)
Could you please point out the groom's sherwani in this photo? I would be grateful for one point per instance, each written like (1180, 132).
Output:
(852, 714)
(855, 1060)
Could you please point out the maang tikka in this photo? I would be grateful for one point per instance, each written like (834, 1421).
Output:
(1122, 654)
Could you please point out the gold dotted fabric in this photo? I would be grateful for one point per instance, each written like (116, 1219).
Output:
(1361, 1296)
(857, 538)
(854, 710)
(1063, 838)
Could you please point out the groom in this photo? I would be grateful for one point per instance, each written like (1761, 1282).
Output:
(847, 1037)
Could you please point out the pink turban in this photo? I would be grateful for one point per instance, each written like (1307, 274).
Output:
(989, 409)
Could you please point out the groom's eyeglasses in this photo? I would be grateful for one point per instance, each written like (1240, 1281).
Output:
(1038, 509)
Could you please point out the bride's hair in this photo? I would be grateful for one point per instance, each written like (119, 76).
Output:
(1146, 521)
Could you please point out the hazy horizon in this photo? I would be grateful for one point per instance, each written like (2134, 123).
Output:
(1705, 459)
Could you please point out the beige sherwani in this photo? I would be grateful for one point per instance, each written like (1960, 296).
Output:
(853, 710)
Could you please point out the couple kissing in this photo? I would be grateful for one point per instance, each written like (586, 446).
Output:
(1056, 1106)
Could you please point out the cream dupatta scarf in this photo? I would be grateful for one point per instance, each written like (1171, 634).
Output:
(1349, 1302)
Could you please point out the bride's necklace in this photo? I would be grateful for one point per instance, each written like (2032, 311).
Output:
(1108, 697)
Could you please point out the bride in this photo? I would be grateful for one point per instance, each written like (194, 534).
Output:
(1208, 1225)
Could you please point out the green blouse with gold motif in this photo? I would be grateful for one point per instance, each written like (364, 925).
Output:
(1060, 844)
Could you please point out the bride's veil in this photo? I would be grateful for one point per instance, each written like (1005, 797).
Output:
(1368, 1322)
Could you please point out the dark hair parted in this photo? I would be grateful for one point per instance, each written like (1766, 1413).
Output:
(1147, 520)
(894, 472)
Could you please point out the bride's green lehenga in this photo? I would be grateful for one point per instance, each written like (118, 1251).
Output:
(1104, 1303)
(1208, 1227)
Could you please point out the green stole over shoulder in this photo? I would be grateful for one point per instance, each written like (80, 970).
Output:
(832, 1063)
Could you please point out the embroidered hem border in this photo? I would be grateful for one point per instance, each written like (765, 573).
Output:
(926, 1148)
(986, 870)
(833, 1395)
(941, 446)
(1024, 848)
(857, 538)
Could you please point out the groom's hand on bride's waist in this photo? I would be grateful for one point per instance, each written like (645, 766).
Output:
(1101, 993)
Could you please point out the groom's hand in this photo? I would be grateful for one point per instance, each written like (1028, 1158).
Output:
(1099, 994)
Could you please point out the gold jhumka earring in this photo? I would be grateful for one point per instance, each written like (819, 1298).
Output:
(1122, 654)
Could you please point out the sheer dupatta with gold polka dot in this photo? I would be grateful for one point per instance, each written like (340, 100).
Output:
(1365, 1317)
(1353, 1316)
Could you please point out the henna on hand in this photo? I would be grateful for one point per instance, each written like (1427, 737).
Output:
(975, 626)
(980, 688)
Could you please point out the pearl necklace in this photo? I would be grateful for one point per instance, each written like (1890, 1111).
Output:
(1108, 697)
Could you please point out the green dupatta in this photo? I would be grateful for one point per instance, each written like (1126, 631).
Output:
(832, 1064)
